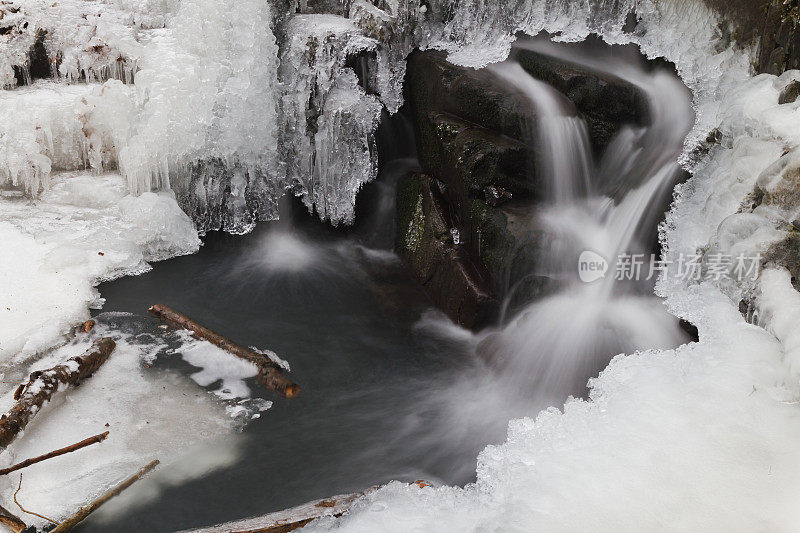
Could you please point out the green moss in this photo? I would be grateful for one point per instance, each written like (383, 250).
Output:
(410, 215)
(496, 244)
(416, 228)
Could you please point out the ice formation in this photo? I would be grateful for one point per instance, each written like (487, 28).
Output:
(209, 107)
(148, 413)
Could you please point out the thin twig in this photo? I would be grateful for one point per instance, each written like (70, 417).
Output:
(85, 511)
(61, 451)
(25, 510)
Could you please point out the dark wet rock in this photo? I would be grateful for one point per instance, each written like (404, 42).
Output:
(778, 31)
(443, 268)
(496, 196)
(468, 157)
(437, 86)
(790, 93)
(473, 139)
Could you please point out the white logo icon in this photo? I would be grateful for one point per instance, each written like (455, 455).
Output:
(591, 266)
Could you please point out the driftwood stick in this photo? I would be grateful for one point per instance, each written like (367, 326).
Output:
(289, 519)
(44, 384)
(85, 511)
(55, 453)
(269, 373)
(11, 521)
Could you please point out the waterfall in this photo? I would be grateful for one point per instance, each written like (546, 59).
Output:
(159, 108)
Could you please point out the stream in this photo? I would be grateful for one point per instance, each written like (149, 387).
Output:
(391, 389)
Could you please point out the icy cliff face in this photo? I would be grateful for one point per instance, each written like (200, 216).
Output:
(208, 120)
(329, 119)
(202, 107)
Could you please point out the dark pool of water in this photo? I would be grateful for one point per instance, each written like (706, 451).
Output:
(345, 322)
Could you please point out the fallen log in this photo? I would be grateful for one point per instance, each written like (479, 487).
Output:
(269, 373)
(44, 384)
(11, 521)
(55, 453)
(85, 511)
(289, 519)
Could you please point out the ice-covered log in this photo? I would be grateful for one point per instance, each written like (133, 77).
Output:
(43, 385)
(269, 373)
(55, 453)
(288, 519)
(85, 511)
(11, 521)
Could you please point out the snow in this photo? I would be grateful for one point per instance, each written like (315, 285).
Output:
(218, 366)
(84, 230)
(149, 413)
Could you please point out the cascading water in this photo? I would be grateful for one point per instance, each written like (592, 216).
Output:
(551, 348)
(430, 420)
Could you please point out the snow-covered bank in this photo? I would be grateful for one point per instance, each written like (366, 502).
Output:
(84, 230)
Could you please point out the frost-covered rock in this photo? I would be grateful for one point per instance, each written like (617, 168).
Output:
(780, 185)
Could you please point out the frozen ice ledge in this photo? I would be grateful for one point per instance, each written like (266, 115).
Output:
(233, 104)
(200, 98)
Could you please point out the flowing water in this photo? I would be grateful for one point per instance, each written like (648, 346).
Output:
(391, 389)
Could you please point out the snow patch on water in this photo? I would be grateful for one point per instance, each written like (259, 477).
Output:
(217, 366)
(149, 413)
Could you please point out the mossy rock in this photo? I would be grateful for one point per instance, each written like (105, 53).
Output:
(443, 267)
(470, 158)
